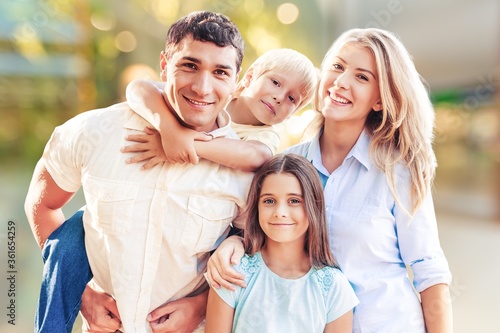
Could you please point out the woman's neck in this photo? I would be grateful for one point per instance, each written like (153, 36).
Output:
(336, 142)
(288, 261)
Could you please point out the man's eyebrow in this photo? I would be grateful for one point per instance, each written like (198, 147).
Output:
(360, 69)
(197, 61)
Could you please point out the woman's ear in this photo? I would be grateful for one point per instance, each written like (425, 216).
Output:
(377, 106)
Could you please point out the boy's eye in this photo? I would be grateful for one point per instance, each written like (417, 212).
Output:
(292, 99)
(275, 82)
(338, 66)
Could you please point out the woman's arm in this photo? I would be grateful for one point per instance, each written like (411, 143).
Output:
(436, 305)
(219, 314)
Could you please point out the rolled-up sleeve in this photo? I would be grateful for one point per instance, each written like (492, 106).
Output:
(419, 243)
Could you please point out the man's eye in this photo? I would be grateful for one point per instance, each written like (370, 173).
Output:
(221, 72)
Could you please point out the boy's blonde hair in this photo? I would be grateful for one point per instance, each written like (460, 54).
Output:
(402, 133)
(285, 60)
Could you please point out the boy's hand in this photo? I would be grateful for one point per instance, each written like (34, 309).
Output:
(178, 144)
(148, 148)
(219, 268)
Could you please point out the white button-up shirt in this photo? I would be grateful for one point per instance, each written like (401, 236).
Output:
(148, 233)
(374, 241)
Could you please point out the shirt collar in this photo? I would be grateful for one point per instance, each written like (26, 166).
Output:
(360, 151)
(136, 122)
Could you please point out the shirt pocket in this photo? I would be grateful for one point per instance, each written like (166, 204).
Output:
(111, 204)
(207, 219)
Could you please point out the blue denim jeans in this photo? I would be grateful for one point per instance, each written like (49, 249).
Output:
(66, 272)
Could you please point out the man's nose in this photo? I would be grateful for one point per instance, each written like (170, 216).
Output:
(202, 84)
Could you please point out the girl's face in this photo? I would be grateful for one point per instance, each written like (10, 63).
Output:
(349, 88)
(282, 213)
(271, 97)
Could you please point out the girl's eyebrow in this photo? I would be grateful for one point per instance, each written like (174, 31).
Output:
(360, 69)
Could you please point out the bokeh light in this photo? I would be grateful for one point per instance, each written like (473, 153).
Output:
(287, 13)
(125, 41)
(103, 20)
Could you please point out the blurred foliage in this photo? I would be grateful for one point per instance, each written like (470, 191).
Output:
(59, 58)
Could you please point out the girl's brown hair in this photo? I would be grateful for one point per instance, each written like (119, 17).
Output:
(316, 242)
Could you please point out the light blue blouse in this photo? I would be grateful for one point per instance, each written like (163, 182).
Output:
(374, 241)
(272, 304)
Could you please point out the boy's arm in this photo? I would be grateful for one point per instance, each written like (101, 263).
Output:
(236, 154)
(146, 99)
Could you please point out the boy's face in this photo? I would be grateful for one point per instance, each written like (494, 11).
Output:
(200, 78)
(272, 97)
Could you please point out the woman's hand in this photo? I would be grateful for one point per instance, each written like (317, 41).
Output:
(219, 268)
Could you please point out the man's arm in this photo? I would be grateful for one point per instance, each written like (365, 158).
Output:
(182, 315)
(43, 204)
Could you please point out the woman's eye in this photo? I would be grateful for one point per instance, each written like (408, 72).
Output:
(363, 77)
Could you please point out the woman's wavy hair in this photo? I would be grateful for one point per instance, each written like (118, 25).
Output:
(402, 133)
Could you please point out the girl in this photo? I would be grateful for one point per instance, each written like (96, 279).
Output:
(293, 282)
(372, 149)
(278, 83)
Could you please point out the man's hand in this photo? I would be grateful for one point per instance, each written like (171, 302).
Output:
(219, 269)
(180, 316)
(99, 312)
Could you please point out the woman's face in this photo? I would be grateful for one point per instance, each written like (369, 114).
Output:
(349, 87)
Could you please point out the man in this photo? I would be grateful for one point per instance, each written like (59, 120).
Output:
(148, 234)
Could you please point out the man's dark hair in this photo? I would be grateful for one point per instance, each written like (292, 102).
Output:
(206, 27)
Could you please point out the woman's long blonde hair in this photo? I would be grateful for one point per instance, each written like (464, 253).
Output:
(403, 132)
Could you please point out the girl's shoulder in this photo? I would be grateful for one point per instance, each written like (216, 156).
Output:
(250, 264)
(329, 278)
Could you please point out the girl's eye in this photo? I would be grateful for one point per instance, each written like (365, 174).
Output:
(292, 99)
(268, 201)
(294, 201)
(275, 82)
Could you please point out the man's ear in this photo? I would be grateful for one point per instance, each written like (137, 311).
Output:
(163, 65)
(377, 106)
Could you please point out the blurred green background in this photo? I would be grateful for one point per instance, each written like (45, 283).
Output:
(61, 57)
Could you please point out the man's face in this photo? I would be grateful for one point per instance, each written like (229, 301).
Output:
(200, 78)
